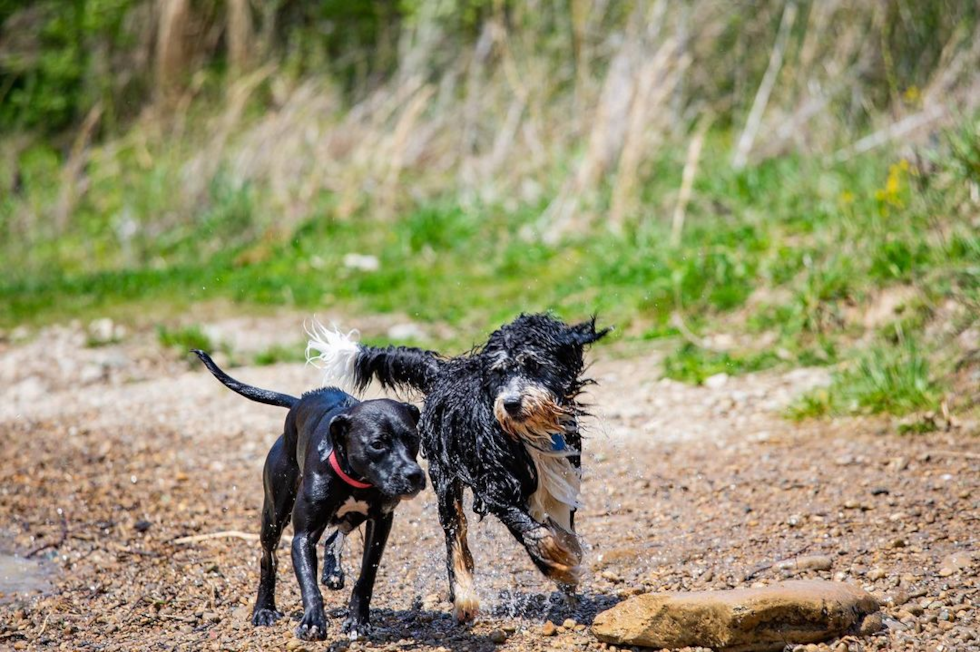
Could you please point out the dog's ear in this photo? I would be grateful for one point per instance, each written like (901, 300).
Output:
(414, 411)
(585, 333)
(339, 427)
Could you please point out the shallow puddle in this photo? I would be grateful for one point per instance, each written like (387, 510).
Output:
(20, 578)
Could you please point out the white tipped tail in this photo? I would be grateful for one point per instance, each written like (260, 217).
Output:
(332, 351)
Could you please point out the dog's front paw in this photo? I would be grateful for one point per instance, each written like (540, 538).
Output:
(313, 626)
(333, 581)
(557, 553)
(357, 629)
(265, 617)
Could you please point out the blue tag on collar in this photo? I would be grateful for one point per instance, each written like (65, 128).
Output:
(557, 442)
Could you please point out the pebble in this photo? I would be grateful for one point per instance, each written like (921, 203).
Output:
(716, 381)
(875, 574)
(956, 562)
(498, 636)
(809, 562)
(548, 629)
(611, 576)
(569, 623)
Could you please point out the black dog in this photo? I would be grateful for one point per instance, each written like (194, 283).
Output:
(501, 420)
(329, 438)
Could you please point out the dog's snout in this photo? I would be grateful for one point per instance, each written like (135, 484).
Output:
(513, 405)
(415, 477)
(413, 481)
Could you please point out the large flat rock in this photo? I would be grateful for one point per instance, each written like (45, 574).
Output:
(742, 620)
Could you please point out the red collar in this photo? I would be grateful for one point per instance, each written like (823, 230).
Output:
(335, 465)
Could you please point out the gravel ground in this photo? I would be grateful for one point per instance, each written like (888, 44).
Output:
(686, 488)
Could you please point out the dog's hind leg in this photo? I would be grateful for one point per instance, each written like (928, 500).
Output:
(459, 561)
(333, 569)
(280, 478)
(555, 551)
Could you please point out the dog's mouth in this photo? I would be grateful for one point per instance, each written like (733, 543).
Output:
(404, 488)
(539, 414)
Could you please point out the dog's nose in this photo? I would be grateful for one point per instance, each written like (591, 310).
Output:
(416, 478)
(513, 406)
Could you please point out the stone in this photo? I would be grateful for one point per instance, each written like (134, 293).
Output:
(101, 331)
(958, 561)
(876, 574)
(362, 262)
(871, 624)
(498, 637)
(407, 331)
(716, 381)
(431, 601)
(548, 629)
(805, 563)
(569, 623)
(748, 620)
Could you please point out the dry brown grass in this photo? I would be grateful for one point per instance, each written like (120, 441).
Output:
(570, 120)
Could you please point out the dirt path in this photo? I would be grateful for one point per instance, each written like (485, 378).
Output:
(113, 452)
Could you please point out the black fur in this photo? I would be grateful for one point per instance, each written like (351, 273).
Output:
(467, 445)
(249, 392)
(395, 367)
(375, 442)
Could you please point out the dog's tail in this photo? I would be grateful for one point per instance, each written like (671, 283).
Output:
(346, 362)
(249, 392)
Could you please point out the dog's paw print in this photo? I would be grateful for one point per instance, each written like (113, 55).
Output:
(265, 617)
(313, 627)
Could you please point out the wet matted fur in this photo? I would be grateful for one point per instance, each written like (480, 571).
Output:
(501, 420)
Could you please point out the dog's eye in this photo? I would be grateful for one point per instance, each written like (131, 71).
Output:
(532, 365)
(377, 445)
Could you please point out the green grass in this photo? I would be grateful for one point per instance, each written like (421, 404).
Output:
(890, 380)
(788, 253)
(280, 353)
(186, 338)
(693, 364)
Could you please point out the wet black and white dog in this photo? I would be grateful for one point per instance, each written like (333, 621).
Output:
(339, 462)
(501, 420)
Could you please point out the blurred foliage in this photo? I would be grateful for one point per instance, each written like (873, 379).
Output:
(56, 60)
(61, 58)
